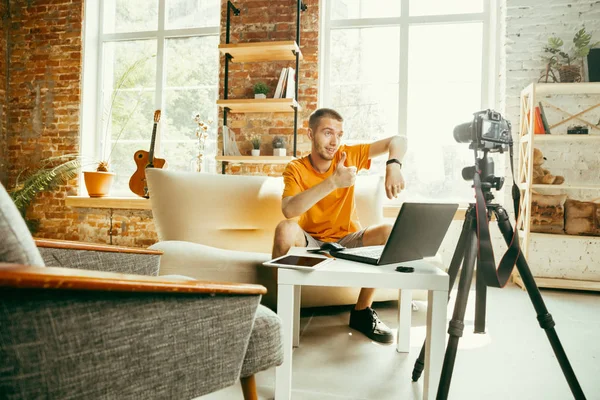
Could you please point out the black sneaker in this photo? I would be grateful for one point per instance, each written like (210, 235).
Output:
(367, 321)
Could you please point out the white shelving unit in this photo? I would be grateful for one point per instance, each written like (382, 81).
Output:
(530, 97)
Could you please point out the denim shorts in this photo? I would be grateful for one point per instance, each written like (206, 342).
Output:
(354, 239)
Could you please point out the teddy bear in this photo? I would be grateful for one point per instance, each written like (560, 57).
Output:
(541, 175)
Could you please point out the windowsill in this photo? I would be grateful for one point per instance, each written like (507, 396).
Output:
(124, 203)
(138, 203)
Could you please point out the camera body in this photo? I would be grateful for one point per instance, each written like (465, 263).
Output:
(487, 131)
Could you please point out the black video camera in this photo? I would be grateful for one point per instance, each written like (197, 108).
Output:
(488, 131)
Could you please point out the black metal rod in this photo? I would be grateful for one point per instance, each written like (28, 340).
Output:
(236, 11)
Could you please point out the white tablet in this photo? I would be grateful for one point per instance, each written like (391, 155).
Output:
(307, 263)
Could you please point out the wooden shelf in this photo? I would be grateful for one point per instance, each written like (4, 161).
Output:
(566, 88)
(563, 138)
(126, 203)
(256, 159)
(259, 105)
(571, 186)
(538, 235)
(558, 283)
(262, 51)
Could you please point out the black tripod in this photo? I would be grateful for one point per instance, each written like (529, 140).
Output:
(466, 252)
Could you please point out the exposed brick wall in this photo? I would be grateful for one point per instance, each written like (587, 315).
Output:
(44, 98)
(4, 29)
(270, 21)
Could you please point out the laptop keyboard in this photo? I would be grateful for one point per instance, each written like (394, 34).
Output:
(370, 251)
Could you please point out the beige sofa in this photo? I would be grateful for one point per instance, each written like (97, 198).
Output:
(220, 227)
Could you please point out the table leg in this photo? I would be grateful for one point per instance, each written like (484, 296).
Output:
(404, 321)
(285, 310)
(296, 342)
(435, 342)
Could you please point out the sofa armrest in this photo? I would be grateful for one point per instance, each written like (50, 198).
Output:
(99, 257)
(24, 276)
(108, 344)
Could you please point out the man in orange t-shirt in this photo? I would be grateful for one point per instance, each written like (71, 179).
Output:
(319, 188)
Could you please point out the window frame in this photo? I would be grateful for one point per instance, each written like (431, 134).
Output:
(489, 18)
(92, 80)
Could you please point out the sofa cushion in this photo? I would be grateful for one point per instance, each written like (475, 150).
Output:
(16, 244)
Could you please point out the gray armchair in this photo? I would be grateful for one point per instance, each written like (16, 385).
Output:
(68, 332)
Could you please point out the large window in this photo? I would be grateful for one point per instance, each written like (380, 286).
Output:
(415, 68)
(142, 56)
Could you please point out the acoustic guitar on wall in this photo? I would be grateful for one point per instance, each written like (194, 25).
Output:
(144, 159)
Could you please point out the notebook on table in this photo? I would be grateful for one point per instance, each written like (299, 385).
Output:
(417, 233)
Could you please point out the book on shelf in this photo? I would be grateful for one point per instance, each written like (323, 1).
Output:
(280, 84)
(286, 86)
(538, 126)
(290, 87)
(544, 119)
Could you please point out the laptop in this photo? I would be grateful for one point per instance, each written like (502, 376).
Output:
(417, 233)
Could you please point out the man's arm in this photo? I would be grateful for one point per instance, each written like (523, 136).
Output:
(293, 206)
(396, 147)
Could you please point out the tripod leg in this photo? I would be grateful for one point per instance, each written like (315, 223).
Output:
(457, 259)
(480, 302)
(456, 326)
(543, 316)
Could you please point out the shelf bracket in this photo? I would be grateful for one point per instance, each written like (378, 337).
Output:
(236, 12)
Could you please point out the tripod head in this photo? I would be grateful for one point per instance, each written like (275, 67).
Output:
(489, 181)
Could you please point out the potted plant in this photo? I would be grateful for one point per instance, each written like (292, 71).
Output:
(255, 141)
(564, 60)
(279, 146)
(51, 172)
(260, 90)
(99, 181)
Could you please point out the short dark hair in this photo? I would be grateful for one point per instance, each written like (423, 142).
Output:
(315, 117)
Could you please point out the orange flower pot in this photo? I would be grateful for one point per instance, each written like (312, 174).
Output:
(98, 184)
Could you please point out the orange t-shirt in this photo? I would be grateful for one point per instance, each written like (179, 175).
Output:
(334, 216)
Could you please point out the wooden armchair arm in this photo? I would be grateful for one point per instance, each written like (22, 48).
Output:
(24, 276)
(71, 245)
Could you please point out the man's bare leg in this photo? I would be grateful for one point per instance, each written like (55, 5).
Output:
(373, 236)
(288, 234)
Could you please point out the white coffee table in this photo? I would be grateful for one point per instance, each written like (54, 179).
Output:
(345, 273)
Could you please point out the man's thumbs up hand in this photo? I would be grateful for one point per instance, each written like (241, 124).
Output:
(343, 176)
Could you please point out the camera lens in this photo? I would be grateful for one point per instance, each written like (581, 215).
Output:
(463, 133)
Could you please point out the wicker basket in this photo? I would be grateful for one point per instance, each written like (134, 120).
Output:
(569, 73)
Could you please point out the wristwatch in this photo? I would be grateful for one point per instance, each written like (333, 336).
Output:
(393, 160)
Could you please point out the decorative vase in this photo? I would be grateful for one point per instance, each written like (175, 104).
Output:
(279, 152)
(255, 152)
(98, 183)
(260, 96)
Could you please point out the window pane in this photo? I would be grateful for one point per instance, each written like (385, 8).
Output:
(129, 76)
(351, 9)
(364, 81)
(130, 15)
(444, 90)
(191, 67)
(439, 7)
(192, 13)
(192, 61)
